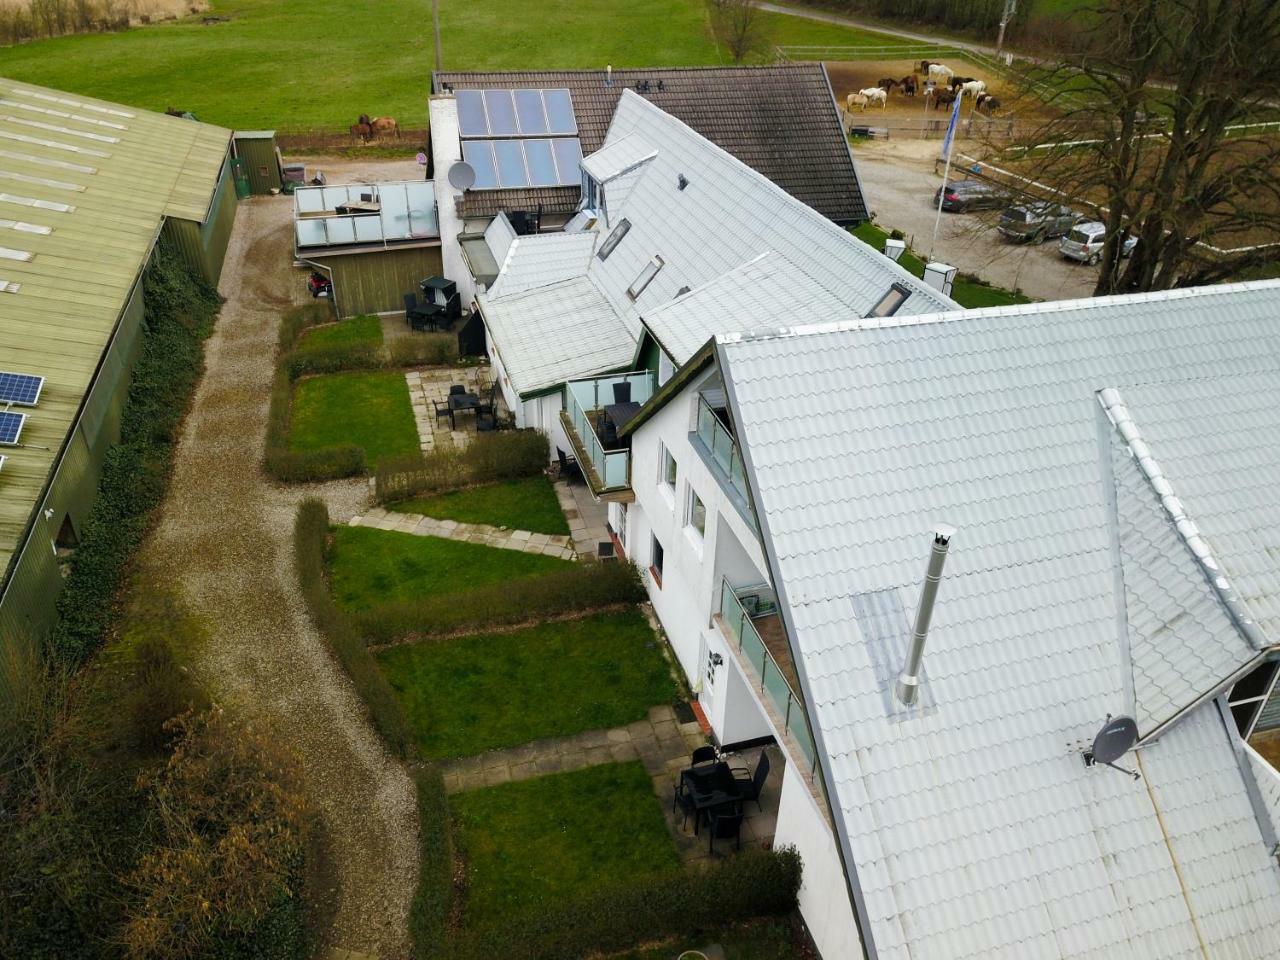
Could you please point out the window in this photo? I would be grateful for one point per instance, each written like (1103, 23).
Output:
(655, 563)
(1249, 696)
(614, 238)
(622, 525)
(666, 369)
(890, 302)
(669, 471)
(697, 514)
(646, 277)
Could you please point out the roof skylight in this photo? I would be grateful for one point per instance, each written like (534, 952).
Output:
(48, 162)
(54, 128)
(40, 181)
(68, 102)
(38, 204)
(888, 305)
(62, 113)
(646, 277)
(614, 238)
(52, 144)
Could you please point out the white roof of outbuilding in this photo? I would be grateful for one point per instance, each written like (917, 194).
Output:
(974, 826)
(541, 260)
(617, 157)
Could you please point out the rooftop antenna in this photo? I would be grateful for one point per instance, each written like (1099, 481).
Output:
(1114, 740)
(908, 685)
(608, 75)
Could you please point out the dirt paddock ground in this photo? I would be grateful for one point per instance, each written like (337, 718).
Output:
(851, 76)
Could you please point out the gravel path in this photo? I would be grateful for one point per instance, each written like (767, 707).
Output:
(226, 534)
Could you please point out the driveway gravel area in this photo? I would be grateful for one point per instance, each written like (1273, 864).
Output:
(226, 535)
(899, 181)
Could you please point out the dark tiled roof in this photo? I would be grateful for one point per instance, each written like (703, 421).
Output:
(780, 120)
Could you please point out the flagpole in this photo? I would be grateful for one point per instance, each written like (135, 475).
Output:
(946, 170)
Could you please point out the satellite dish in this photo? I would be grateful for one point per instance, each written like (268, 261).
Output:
(1114, 740)
(462, 175)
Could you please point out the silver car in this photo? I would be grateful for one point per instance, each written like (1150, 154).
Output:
(1037, 222)
(1085, 242)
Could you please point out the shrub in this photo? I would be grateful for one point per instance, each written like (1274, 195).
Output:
(432, 349)
(577, 589)
(754, 883)
(160, 691)
(430, 914)
(333, 358)
(507, 455)
(310, 533)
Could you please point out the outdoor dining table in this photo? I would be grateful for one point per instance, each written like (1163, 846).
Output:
(711, 785)
(462, 402)
(620, 413)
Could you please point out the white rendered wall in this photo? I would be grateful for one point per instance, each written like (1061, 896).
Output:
(446, 150)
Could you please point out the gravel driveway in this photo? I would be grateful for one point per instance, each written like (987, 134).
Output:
(898, 179)
(226, 535)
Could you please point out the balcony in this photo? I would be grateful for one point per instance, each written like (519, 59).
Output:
(716, 444)
(749, 618)
(594, 410)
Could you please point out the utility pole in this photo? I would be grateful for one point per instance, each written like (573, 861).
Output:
(1010, 6)
(435, 26)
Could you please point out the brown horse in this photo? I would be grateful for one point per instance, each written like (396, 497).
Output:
(385, 126)
(887, 84)
(908, 85)
(361, 130)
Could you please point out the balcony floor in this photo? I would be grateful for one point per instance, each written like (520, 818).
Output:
(775, 640)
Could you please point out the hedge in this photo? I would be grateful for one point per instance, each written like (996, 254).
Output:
(179, 307)
(577, 589)
(753, 883)
(310, 534)
(432, 908)
(508, 455)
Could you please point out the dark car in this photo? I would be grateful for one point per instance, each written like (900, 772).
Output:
(1037, 222)
(965, 195)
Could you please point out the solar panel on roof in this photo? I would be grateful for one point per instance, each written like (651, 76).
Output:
(560, 118)
(479, 153)
(471, 116)
(505, 164)
(20, 388)
(511, 171)
(11, 427)
(541, 163)
(568, 156)
(533, 119)
(502, 113)
(515, 113)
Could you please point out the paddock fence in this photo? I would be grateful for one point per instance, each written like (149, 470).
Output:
(318, 140)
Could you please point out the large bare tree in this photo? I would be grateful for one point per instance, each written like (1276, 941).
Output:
(1155, 126)
(740, 25)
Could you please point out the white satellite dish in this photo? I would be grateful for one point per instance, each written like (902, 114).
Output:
(462, 175)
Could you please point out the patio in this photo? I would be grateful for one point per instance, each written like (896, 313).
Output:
(429, 387)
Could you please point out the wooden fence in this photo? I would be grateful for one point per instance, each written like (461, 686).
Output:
(311, 141)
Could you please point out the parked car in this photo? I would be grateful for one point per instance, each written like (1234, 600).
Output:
(1037, 222)
(964, 195)
(1085, 241)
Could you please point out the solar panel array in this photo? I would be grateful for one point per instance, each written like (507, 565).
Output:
(20, 388)
(519, 138)
(524, 163)
(515, 113)
(11, 427)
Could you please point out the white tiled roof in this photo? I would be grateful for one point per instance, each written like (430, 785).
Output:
(617, 157)
(976, 830)
(541, 260)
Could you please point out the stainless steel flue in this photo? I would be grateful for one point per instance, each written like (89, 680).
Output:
(908, 685)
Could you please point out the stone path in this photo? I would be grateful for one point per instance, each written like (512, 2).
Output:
(431, 385)
(521, 540)
(588, 518)
(657, 742)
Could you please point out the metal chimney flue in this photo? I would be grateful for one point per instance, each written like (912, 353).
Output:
(608, 75)
(908, 685)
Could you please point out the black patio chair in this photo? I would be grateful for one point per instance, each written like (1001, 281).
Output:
(703, 754)
(622, 392)
(724, 822)
(486, 422)
(568, 466)
(683, 798)
(457, 390)
(443, 411)
(750, 785)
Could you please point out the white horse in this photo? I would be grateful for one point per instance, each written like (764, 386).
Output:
(855, 100)
(940, 73)
(875, 95)
(973, 88)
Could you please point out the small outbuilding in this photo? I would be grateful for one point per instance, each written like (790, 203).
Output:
(374, 242)
(258, 152)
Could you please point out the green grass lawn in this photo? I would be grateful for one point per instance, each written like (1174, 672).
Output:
(550, 839)
(964, 292)
(368, 567)
(311, 64)
(526, 504)
(480, 693)
(371, 410)
(358, 331)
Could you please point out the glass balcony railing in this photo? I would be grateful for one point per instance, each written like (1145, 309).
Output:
(719, 442)
(773, 682)
(585, 401)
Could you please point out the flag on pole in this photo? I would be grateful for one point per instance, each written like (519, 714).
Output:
(951, 128)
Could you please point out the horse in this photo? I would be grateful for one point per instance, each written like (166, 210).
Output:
(973, 88)
(887, 84)
(908, 85)
(385, 125)
(855, 100)
(940, 73)
(875, 95)
(986, 103)
(361, 130)
(943, 98)
(960, 81)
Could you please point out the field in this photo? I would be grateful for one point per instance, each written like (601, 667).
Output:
(318, 64)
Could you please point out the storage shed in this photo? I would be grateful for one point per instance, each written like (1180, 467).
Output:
(91, 185)
(257, 150)
(375, 242)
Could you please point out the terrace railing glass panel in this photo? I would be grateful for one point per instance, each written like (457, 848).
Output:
(585, 401)
(719, 442)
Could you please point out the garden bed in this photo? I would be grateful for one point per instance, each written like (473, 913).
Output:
(369, 410)
(484, 692)
(525, 504)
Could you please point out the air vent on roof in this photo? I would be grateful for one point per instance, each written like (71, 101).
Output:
(908, 686)
(681, 181)
(682, 291)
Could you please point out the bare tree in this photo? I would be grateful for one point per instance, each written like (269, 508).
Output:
(740, 25)
(1151, 127)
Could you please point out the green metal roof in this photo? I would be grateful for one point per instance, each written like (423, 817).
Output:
(255, 134)
(85, 186)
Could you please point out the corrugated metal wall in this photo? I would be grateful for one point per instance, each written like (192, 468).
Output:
(204, 245)
(28, 608)
(377, 282)
(1269, 718)
(261, 163)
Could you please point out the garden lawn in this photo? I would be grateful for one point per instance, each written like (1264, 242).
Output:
(526, 504)
(356, 332)
(370, 410)
(484, 692)
(368, 567)
(545, 841)
(965, 292)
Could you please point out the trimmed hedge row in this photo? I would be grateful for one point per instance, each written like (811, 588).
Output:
(577, 589)
(179, 308)
(432, 907)
(754, 883)
(508, 455)
(310, 534)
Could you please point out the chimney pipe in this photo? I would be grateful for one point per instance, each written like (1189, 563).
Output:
(608, 75)
(908, 686)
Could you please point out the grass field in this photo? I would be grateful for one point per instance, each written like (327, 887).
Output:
(551, 839)
(472, 694)
(358, 331)
(290, 64)
(368, 567)
(526, 504)
(371, 410)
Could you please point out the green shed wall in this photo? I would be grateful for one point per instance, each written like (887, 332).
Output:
(376, 282)
(649, 353)
(261, 163)
(204, 245)
(28, 608)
